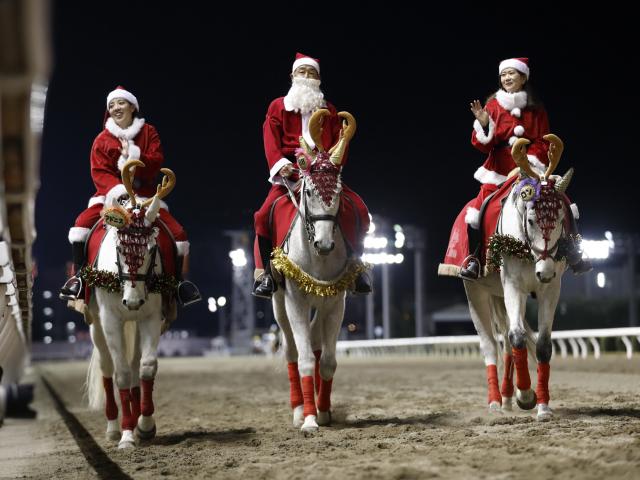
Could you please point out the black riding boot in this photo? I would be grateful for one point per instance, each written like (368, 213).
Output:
(265, 285)
(574, 255)
(73, 289)
(187, 292)
(470, 268)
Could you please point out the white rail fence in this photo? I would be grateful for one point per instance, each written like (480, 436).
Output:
(579, 342)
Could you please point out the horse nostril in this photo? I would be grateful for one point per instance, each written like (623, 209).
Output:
(141, 302)
(124, 302)
(332, 246)
(316, 245)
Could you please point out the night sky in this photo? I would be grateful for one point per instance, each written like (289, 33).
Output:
(204, 80)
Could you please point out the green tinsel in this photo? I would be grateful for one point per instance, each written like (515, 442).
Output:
(500, 245)
(110, 282)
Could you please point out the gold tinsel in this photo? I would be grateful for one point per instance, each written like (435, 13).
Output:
(311, 285)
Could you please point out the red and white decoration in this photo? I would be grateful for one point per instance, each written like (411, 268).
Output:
(302, 59)
(521, 64)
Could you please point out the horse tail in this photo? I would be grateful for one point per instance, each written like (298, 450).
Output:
(93, 387)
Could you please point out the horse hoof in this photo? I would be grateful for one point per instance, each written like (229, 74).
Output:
(324, 418)
(544, 413)
(507, 404)
(127, 440)
(298, 416)
(113, 430)
(526, 399)
(310, 426)
(146, 428)
(495, 407)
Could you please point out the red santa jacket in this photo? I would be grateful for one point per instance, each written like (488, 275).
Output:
(510, 119)
(106, 160)
(283, 128)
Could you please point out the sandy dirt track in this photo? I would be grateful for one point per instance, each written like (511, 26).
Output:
(394, 418)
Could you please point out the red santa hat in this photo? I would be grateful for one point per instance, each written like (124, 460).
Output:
(120, 92)
(302, 59)
(520, 64)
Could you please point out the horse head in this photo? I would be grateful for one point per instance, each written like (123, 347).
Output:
(539, 200)
(136, 236)
(321, 185)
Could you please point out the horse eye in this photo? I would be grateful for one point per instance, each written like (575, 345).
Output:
(530, 222)
(308, 193)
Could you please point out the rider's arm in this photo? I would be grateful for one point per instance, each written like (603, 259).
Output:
(152, 156)
(485, 138)
(272, 133)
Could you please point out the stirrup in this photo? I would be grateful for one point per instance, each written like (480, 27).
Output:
(470, 268)
(73, 289)
(188, 293)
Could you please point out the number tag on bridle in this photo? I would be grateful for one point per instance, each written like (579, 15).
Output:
(117, 217)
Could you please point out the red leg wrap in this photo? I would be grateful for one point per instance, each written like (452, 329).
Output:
(309, 396)
(316, 380)
(324, 397)
(128, 422)
(542, 390)
(111, 408)
(135, 402)
(507, 380)
(523, 381)
(295, 391)
(147, 397)
(492, 381)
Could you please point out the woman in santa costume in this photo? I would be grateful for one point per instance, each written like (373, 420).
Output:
(286, 121)
(126, 136)
(509, 114)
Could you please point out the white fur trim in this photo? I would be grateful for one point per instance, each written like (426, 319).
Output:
(276, 168)
(183, 248)
(121, 162)
(114, 193)
(516, 112)
(128, 133)
(518, 131)
(134, 151)
(488, 176)
(575, 211)
(305, 61)
(512, 101)
(78, 234)
(480, 135)
(96, 200)
(512, 140)
(537, 164)
(445, 270)
(472, 217)
(122, 93)
(514, 63)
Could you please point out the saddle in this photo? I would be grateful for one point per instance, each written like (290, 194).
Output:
(458, 247)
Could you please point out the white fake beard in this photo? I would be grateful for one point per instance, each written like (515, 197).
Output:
(305, 95)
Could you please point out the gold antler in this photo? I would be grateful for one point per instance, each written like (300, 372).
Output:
(556, 148)
(126, 178)
(519, 154)
(315, 127)
(346, 134)
(168, 182)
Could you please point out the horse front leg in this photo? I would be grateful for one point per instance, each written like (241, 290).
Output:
(291, 355)
(114, 334)
(479, 309)
(330, 318)
(298, 312)
(135, 376)
(546, 311)
(105, 362)
(149, 332)
(515, 304)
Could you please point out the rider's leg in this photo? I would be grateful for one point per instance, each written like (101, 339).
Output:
(187, 292)
(574, 254)
(362, 283)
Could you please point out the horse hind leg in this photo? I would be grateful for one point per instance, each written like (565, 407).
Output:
(479, 308)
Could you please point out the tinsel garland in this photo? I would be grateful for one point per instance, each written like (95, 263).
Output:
(311, 285)
(500, 245)
(110, 282)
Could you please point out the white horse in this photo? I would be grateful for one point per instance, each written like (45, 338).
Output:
(125, 315)
(529, 245)
(316, 272)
